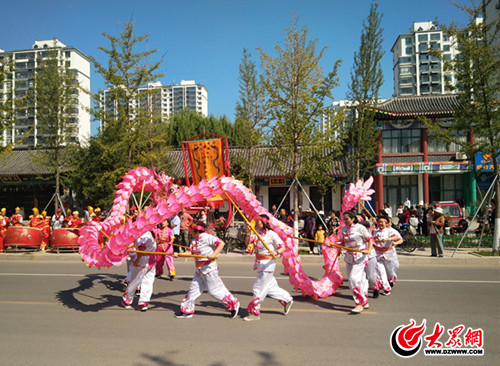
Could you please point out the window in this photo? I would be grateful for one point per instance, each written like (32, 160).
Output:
(401, 141)
(435, 37)
(405, 70)
(435, 46)
(446, 48)
(435, 67)
(424, 89)
(423, 37)
(434, 146)
(424, 78)
(424, 68)
(424, 57)
(403, 91)
(406, 80)
(409, 50)
(447, 56)
(405, 60)
(436, 77)
(422, 47)
(408, 41)
(445, 38)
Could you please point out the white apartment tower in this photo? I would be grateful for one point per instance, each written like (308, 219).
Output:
(167, 100)
(416, 71)
(25, 66)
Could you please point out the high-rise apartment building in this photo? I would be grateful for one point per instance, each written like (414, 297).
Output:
(417, 71)
(166, 100)
(26, 62)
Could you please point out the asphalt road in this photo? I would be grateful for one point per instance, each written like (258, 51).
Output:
(62, 313)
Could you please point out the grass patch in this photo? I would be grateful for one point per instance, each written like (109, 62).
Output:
(485, 253)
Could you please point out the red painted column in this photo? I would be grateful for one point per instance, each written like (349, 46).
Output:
(379, 180)
(425, 176)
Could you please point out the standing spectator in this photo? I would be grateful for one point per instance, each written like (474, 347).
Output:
(420, 216)
(405, 216)
(186, 221)
(436, 232)
(399, 211)
(333, 222)
(175, 225)
(407, 203)
(57, 220)
(285, 218)
(388, 210)
(274, 211)
(425, 222)
(320, 236)
(45, 226)
(310, 228)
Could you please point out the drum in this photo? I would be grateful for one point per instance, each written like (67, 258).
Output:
(64, 238)
(23, 236)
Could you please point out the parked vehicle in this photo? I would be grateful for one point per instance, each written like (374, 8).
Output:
(453, 213)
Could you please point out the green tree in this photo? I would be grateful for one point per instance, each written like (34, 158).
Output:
(366, 80)
(297, 89)
(133, 121)
(55, 97)
(188, 123)
(250, 122)
(477, 73)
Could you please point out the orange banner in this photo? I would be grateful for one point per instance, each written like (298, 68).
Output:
(207, 161)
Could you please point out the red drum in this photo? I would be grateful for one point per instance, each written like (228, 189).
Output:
(65, 238)
(21, 236)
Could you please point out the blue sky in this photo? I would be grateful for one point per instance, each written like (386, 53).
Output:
(204, 40)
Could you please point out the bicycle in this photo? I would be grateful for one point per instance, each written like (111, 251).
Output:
(410, 240)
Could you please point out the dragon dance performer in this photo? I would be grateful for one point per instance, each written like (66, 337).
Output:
(206, 275)
(142, 274)
(385, 240)
(165, 239)
(4, 224)
(265, 284)
(356, 236)
(17, 218)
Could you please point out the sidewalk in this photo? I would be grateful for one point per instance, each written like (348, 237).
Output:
(420, 256)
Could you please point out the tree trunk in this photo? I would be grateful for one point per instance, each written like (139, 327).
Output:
(496, 236)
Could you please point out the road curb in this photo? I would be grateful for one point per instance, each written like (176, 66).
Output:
(462, 257)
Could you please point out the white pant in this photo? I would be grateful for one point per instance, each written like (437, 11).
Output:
(358, 282)
(266, 285)
(371, 272)
(143, 277)
(207, 277)
(386, 272)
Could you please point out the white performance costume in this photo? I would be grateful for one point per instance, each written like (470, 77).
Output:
(356, 236)
(265, 284)
(387, 259)
(143, 271)
(206, 276)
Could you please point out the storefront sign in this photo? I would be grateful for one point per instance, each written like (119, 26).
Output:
(484, 162)
(10, 179)
(277, 181)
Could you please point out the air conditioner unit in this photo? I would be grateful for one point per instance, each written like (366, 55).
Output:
(460, 156)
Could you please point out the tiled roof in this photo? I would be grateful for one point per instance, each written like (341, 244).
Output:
(262, 168)
(442, 105)
(23, 162)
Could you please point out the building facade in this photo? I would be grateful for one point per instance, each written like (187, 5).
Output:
(163, 100)
(25, 64)
(416, 71)
(411, 163)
